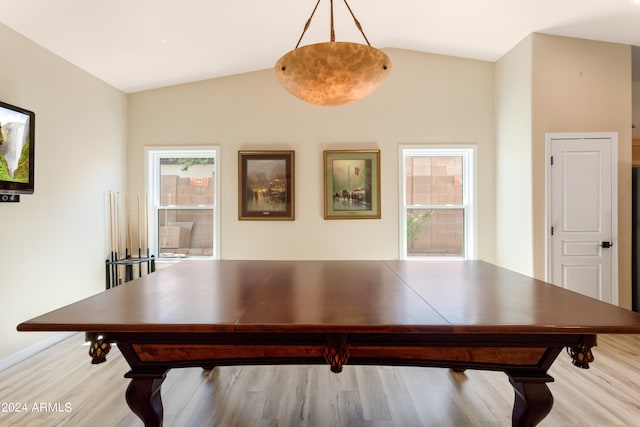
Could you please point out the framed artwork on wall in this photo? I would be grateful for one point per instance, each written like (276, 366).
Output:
(266, 185)
(352, 184)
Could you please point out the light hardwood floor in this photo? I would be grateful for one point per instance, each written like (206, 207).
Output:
(76, 393)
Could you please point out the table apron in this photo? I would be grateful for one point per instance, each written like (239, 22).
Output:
(189, 354)
(509, 353)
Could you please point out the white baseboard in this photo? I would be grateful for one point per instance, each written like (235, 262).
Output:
(32, 350)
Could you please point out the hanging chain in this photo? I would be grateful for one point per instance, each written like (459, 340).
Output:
(333, 34)
(357, 23)
(306, 26)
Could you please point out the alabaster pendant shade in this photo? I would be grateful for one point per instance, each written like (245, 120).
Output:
(332, 73)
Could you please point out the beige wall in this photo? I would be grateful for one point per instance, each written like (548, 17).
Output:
(548, 84)
(582, 86)
(53, 243)
(427, 99)
(59, 235)
(514, 228)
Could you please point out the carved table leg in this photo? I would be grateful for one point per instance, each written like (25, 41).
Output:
(581, 355)
(336, 351)
(99, 347)
(533, 400)
(143, 396)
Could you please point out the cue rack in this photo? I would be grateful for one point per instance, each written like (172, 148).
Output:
(122, 266)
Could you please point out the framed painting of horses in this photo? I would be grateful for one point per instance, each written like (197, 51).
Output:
(352, 184)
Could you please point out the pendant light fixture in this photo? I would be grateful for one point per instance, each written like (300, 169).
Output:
(332, 73)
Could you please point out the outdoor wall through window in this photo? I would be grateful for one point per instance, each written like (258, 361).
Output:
(437, 211)
(183, 215)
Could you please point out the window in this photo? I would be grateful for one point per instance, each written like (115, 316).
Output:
(437, 212)
(183, 215)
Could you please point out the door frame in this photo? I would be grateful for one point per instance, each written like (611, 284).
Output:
(614, 200)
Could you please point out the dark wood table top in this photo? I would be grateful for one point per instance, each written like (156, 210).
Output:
(335, 296)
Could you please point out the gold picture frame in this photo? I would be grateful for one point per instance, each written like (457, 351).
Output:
(352, 184)
(266, 189)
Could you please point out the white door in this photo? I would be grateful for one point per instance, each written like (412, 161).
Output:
(583, 199)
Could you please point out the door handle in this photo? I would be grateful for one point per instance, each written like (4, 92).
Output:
(606, 245)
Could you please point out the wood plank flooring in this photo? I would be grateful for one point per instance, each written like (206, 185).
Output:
(60, 387)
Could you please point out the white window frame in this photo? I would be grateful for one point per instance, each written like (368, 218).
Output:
(468, 153)
(153, 156)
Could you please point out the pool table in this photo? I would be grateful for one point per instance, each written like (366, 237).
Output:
(451, 314)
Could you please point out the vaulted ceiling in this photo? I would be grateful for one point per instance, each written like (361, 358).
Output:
(142, 44)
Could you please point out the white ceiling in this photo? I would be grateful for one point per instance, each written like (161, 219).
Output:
(142, 44)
